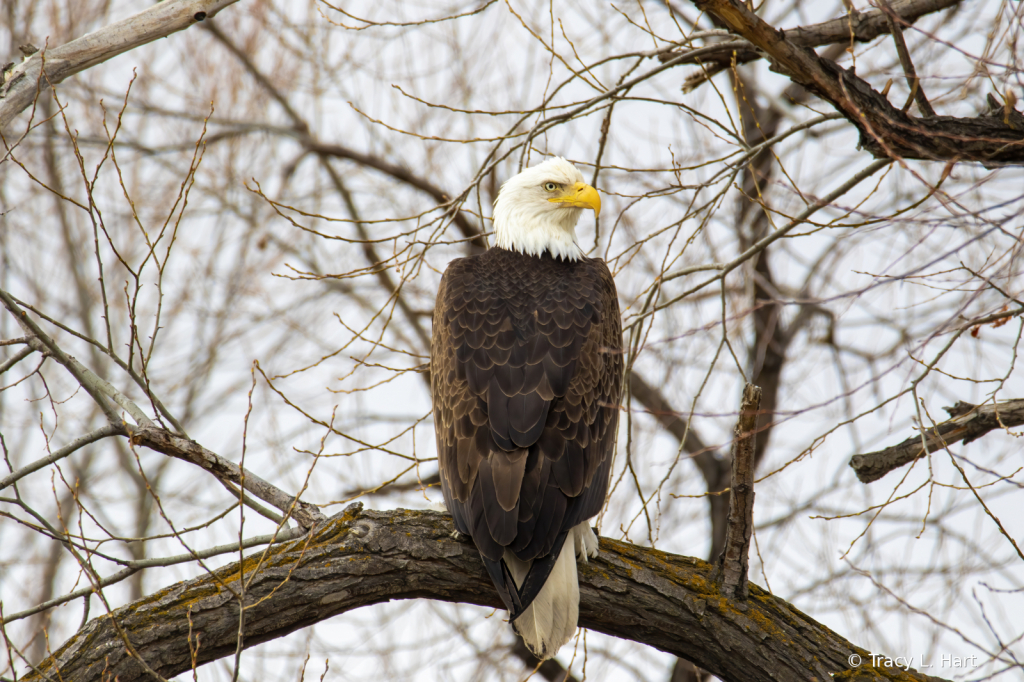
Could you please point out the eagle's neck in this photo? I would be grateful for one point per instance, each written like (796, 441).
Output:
(532, 231)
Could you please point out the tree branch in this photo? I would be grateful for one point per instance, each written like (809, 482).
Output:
(80, 442)
(736, 556)
(468, 230)
(969, 423)
(856, 26)
(306, 138)
(885, 131)
(148, 434)
(659, 408)
(913, 80)
(16, 358)
(40, 341)
(714, 468)
(362, 558)
(307, 515)
(27, 81)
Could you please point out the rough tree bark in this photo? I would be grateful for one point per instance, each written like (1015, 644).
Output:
(359, 558)
(735, 560)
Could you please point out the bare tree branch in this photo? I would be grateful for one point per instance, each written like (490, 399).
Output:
(856, 26)
(161, 440)
(674, 423)
(885, 131)
(322, 149)
(969, 423)
(736, 555)
(714, 468)
(40, 341)
(28, 80)
(15, 359)
(132, 568)
(404, 175)
(362, 558)
(56, 455)
(913, 80)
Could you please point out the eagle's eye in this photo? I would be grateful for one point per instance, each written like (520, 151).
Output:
(550, 186)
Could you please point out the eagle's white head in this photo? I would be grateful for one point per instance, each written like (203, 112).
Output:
(537, 210)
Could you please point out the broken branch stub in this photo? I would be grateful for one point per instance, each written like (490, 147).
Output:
(733, 563)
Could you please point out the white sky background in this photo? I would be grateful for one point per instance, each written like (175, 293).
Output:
(223, 283)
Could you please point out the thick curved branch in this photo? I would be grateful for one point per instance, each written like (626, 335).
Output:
(996, 138)
(27, 81)
(362, 558)
(969, 423)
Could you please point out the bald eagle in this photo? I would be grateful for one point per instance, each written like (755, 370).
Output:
(526, 374)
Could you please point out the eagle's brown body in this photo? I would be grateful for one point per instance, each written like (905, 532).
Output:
(526, 371)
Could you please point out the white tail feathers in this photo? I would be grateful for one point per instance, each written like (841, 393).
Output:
(550, 621)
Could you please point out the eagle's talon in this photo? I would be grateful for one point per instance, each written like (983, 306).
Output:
(585, 540)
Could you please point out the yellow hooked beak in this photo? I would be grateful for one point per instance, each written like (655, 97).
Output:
(580, 195)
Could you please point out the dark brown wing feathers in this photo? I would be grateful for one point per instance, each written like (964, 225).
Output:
(526, 367)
